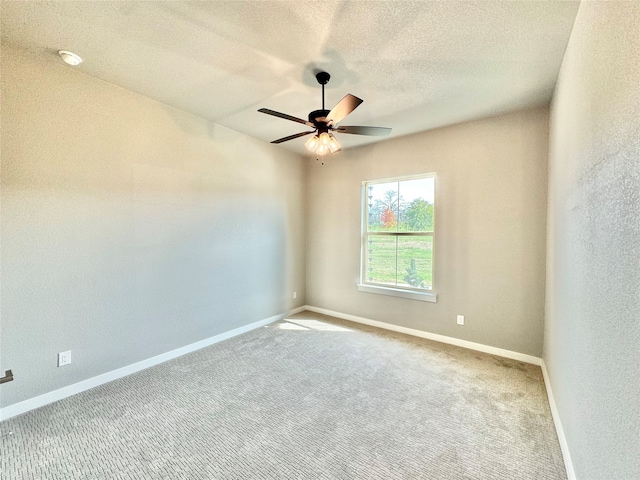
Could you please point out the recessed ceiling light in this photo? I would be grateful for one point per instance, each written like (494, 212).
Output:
(70, 57)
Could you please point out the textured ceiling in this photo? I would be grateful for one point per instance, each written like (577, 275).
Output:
(416, 65)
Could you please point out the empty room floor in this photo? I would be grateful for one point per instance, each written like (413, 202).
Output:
(309, 397)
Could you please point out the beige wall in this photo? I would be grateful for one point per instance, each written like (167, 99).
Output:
(592, 332)
(490, 229)
(130, 228)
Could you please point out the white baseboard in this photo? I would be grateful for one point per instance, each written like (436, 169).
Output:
(297, 310)
(431, 336)
(564, 446)
(64, 392)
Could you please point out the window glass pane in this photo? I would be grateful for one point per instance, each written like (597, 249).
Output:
(416, 205)
(415, 265)
(381, 259)
(382, 200)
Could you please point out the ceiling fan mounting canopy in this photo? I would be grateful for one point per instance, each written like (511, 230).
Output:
(323, 78)
(325, 121)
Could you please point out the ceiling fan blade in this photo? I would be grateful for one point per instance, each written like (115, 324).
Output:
(377, 131)
(291, 137)
(286, 117)
(344, 107)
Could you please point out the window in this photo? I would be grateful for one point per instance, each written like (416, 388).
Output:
(397, 237)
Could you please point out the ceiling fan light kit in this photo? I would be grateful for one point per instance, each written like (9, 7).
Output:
(320, 144)
(324, 122)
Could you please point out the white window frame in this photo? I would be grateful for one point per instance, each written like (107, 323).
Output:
(425, 295)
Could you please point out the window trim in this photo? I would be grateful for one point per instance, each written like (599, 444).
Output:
(425, 295)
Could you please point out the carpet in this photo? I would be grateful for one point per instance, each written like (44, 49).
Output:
(309, 397)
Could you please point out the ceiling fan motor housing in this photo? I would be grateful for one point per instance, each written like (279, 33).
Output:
(318, 117)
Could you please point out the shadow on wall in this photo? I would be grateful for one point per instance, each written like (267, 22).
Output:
(220, 265)
(117, 283)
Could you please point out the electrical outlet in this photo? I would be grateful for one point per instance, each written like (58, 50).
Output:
(64, 358)
(460, 319)
(295, 294)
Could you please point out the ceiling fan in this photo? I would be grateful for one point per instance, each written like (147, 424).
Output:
(324, 122)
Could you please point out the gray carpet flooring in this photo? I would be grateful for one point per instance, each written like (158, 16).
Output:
(310, 397)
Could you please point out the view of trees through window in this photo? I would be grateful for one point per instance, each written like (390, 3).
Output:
(399, 226)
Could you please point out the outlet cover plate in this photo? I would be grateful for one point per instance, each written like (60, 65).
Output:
(64, 358)
(460, 320)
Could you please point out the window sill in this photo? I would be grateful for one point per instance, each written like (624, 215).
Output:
(396, 292)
